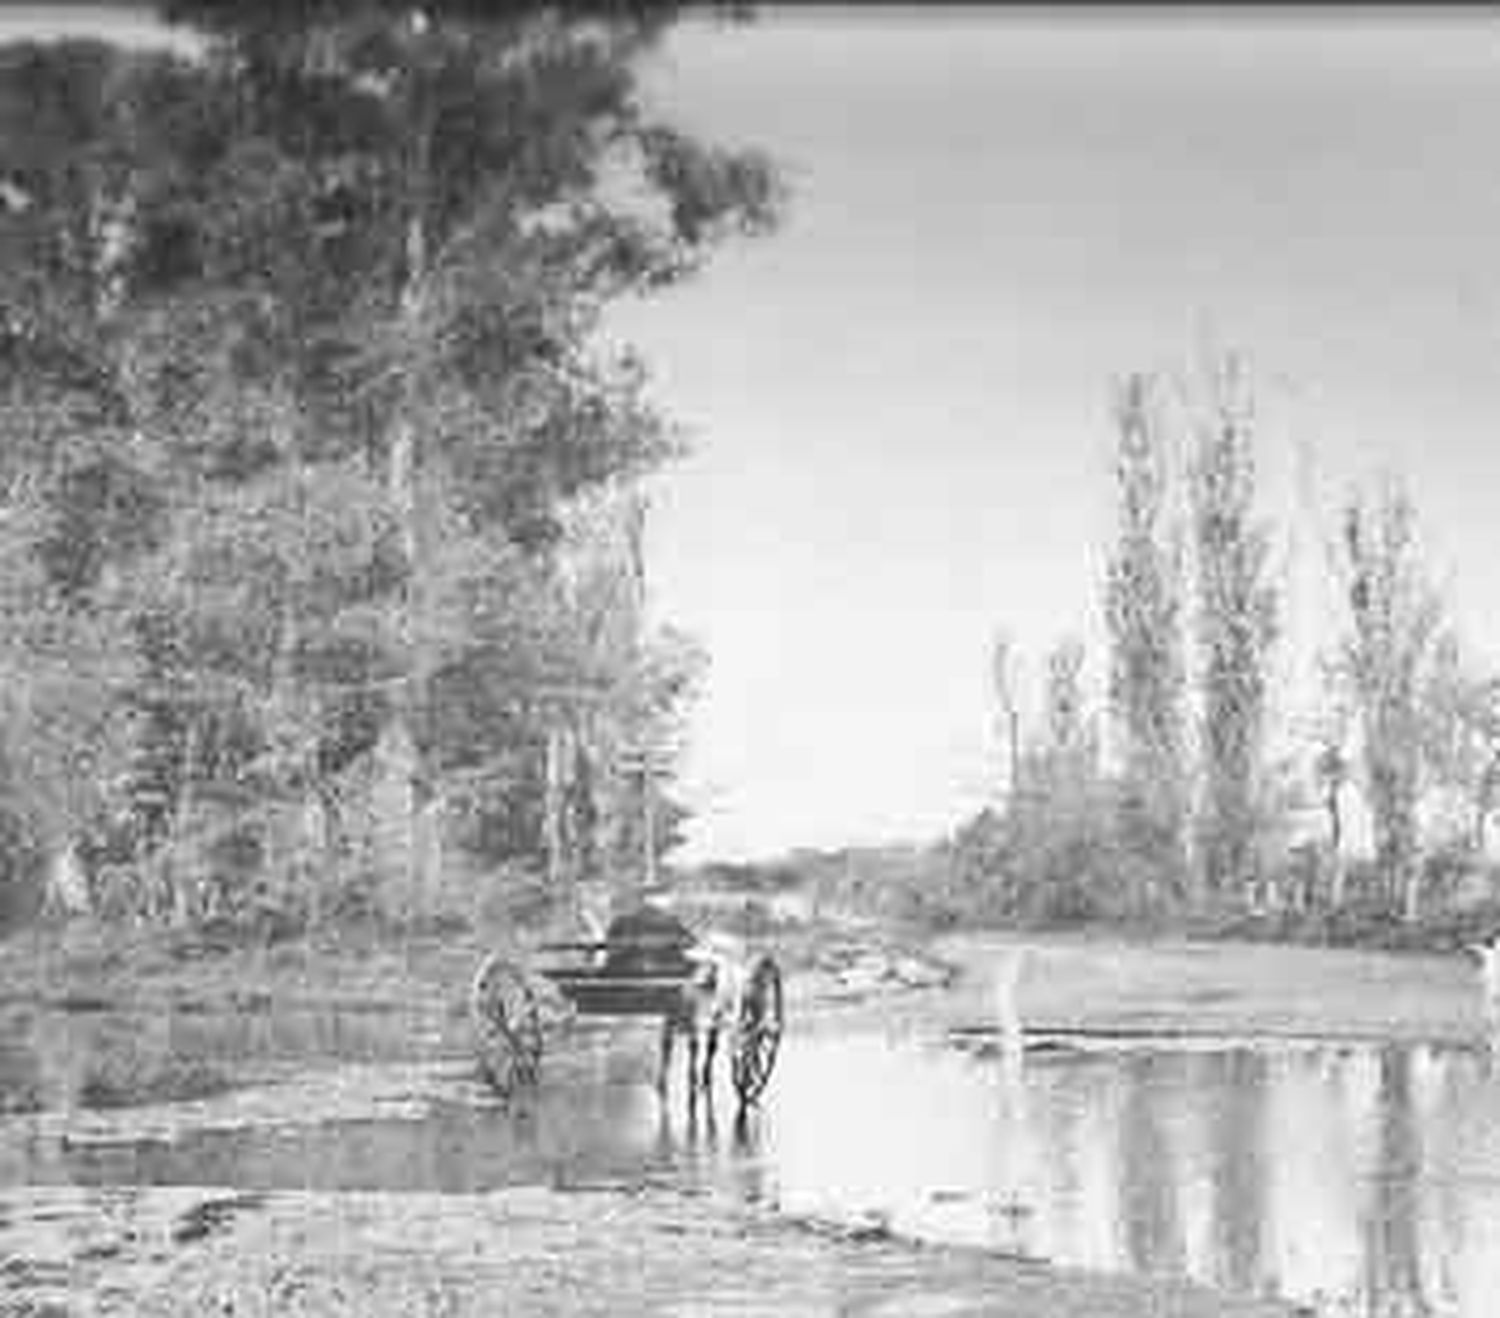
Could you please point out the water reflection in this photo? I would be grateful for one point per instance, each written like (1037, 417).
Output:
(1149, 1210)
(1363, 1181)
(1359, 1180)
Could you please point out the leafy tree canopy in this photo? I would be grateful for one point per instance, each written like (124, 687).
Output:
(302, 379)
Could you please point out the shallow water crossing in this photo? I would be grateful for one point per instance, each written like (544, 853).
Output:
(1352, 1178)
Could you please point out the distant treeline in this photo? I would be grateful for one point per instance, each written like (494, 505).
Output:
(1185, 797)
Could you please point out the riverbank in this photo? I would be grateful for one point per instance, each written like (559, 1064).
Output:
(170, 1252)
(120, 1018)
(1174, 986)
(83, 965)
(287, 1038)
(1088, 980)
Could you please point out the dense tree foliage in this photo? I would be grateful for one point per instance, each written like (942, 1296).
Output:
(317, 484)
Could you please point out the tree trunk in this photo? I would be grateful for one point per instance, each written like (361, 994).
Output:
(1013, 721)
(393, 818)
(1336, 881)
(323, 830)
(648, 807)
(1335, 847)
(1483, 803)
(183, 879)
(1411, 893)
(559, 870)
(404, 484)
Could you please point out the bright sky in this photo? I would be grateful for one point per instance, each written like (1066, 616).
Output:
(128, 23)
(900, 403)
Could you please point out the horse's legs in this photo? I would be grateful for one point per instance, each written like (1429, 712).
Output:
(702, 1096)
(710, 1126)
(668, 1029)
(710, 1051)
(692, 1034)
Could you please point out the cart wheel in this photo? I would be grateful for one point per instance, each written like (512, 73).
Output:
(507, 1025)
(758, 1034)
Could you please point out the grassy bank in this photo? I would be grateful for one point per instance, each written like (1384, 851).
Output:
(83, 964)
(101, 1017)
(119, 1017)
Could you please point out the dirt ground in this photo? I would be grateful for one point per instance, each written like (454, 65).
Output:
(183, 1253)
(643, 1250)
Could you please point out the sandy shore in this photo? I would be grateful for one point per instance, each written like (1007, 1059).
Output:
(182, 1253)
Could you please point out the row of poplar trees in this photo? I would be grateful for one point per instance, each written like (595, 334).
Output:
(1197, 810)
(320, 487)
(1236, 621)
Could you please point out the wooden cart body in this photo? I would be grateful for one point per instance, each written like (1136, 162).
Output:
(632, 972)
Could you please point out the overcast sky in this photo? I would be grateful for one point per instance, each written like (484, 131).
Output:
(901, 403)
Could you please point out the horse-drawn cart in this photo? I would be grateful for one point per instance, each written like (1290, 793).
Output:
(647, 964)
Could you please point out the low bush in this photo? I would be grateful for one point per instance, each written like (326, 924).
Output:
(129, 1080)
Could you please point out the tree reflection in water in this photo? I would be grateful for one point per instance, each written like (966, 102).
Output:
(1393, 1256)
(1363, 1180)
(1150, 1177)
(1239, 1173)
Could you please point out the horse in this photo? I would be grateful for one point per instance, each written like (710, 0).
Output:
(709, 1004)
(648, 941)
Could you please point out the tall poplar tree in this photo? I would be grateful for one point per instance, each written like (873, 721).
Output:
(1395, 622)
(1143, 611)
(1236, 626)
